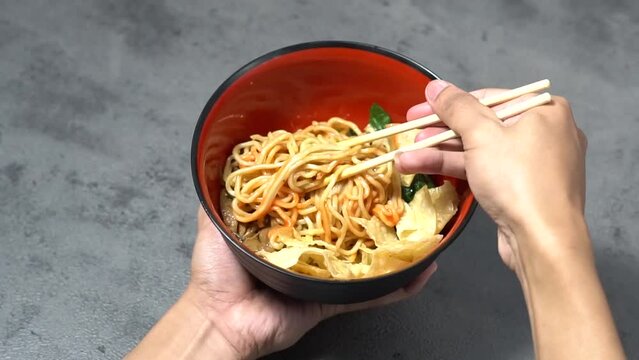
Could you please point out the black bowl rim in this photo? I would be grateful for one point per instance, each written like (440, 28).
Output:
(260, 60)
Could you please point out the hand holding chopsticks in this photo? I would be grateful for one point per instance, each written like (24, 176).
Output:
(503, 114)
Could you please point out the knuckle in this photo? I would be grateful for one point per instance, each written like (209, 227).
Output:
(452, 101)
(561, 108)
(583, 139)
(558, 113)
(562, 102)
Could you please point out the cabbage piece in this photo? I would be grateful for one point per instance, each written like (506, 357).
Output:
(379, 232)
(311, 270)
(445, 201)
(297, 256)
(407, 179)
(285, 257)
(393, 253)
(428, 213)
(419, 220)
(397, 255)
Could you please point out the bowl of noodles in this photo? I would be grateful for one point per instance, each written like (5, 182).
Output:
(267, 165)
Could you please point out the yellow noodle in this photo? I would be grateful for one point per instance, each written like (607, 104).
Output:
(289, 183)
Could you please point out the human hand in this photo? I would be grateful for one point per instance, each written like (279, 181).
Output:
(526, 171)
(226, 314)
(253, 319)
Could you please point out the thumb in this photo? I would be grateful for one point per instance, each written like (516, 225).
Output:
(204, 223)
(459, 110)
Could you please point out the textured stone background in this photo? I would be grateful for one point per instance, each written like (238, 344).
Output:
(98, 100)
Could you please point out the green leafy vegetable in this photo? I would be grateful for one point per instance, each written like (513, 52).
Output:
(378, 117)
(407, 194)
(419, 181)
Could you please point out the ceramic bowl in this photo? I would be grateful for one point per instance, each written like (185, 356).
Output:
(288, 89)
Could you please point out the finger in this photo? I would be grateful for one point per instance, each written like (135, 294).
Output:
(514, 101)
(432, 161)
(451, 145)
(424, 109)
(514, 119)
(461, 111)
(407, 291)
(214, 267)
(486, 92)
(479, 94)
(419, 111)
(207, 233)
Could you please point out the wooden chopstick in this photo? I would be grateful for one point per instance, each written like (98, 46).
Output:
(502, 114)
(432, 119)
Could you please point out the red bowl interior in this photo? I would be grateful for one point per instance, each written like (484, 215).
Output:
(290, 89)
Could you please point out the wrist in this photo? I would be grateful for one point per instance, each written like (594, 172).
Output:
(184, 332)
(545, 247)
(222, 314)
(199, 302)
(553, 256)
(553, 241)
(569, 314)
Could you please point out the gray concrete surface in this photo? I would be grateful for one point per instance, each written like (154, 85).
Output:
(98, 100)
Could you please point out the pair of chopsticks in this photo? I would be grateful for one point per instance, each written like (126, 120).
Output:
(502, 114)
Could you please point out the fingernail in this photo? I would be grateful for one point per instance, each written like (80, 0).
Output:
(434, 88)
